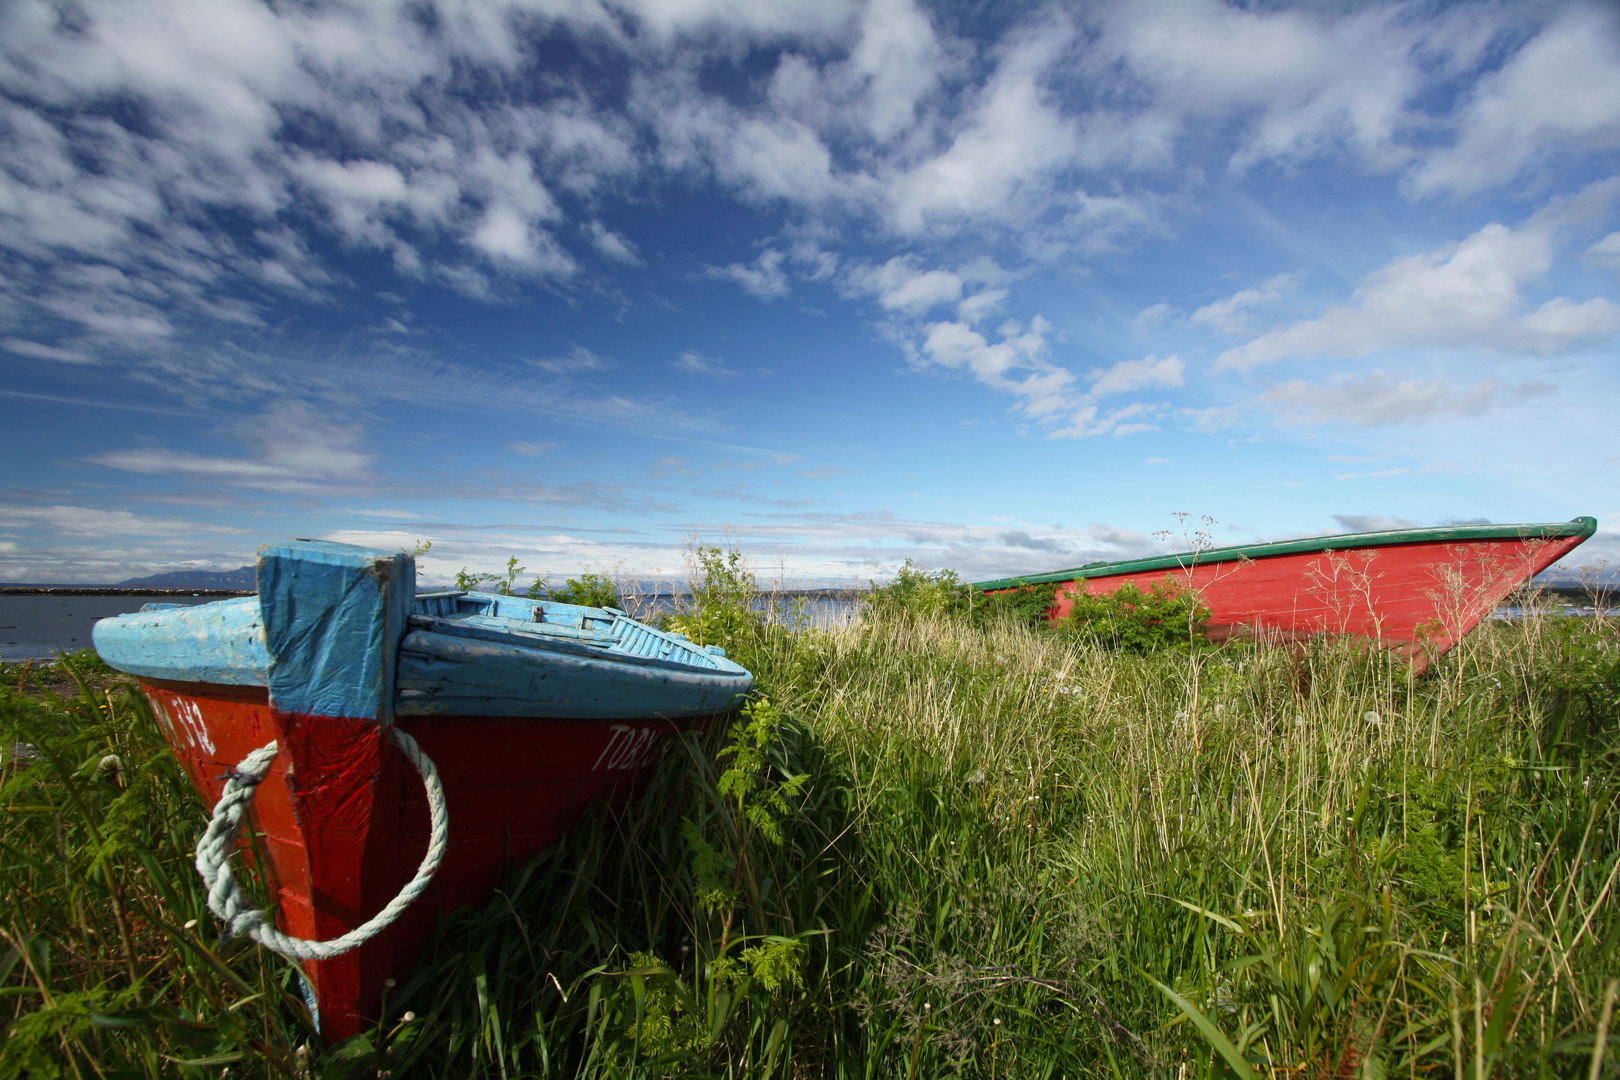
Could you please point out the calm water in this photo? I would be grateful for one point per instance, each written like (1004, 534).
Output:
(39, 627)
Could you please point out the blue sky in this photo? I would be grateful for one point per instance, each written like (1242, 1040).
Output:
(995, 287)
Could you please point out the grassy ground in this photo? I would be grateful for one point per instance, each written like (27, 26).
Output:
(933, 847)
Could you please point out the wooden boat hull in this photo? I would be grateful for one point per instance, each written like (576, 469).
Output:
(530, 711)
(340, 845)
(1417, 591)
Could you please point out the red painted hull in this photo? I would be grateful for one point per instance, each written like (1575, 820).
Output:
(1419, 599)
(344, 822)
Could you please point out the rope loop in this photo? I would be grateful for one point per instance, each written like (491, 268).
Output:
(218, 844)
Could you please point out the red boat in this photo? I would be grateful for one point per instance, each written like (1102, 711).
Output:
(398, 751)
(1416, 591)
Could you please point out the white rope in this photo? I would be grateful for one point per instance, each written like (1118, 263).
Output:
(218, 843)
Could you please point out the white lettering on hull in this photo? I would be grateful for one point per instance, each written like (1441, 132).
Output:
(184, 722)
(632, 748)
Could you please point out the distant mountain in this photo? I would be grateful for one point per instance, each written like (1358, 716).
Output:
(240, 578)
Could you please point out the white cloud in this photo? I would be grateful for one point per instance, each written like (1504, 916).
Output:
(1016, 364)
(1299, 82)
(1369, 475)
(1606, 252)
(1153, 314)
(1466, 294)
(1559, 92)
(88, 521)
(923, 293)
(780, 159)
(695, 363)
(1212, 419)
(36, 351)
(612, 244)
(900, 285)
(1378, 399)
(506, 236)
(295, 449)
(1561, 324)
(381, 511)
(980, 305)
(1128, 375)
(578, 361)
(899, 57)
(405, 159)
(356, 193)
(1231, 315)
(1019, 363)
(1005, 153)
(666, 19)
(765, 278)
(1089, 420)
(1357, 523)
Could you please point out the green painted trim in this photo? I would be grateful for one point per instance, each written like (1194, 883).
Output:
(1582, 527)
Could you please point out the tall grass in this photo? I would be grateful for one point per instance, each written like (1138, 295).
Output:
(1013, 854)
(109, 961)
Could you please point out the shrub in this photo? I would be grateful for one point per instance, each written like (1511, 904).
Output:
(588, 590)
(1025, 605)
(914, 592)
(724, 596)
(1167, 616)
(499, 583)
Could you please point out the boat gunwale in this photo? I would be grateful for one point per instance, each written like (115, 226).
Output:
(1582, 527)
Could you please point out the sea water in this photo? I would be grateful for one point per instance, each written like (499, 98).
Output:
(40, 627)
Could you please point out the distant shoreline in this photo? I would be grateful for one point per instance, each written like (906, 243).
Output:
(114, 590)
(144, 590)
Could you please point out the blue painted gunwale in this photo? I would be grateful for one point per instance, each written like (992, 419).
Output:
(221, 642)
(340, 631)
(483, 654)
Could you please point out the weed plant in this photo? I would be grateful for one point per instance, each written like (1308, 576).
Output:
(935, 845)
(915, 593)
(1165, 616)
(109, 961)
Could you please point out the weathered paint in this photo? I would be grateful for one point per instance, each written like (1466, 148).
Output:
(1578, 529)
(458, 673)
(465, 652)
(537, 710)
(1419, 597)
(213, 643)
(333, 616)
(344, 823)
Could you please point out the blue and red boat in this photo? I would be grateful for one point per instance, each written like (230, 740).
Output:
(398, 750)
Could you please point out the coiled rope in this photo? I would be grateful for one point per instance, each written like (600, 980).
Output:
(218, 843)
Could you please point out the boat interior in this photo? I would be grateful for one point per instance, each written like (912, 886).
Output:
(497, 616)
